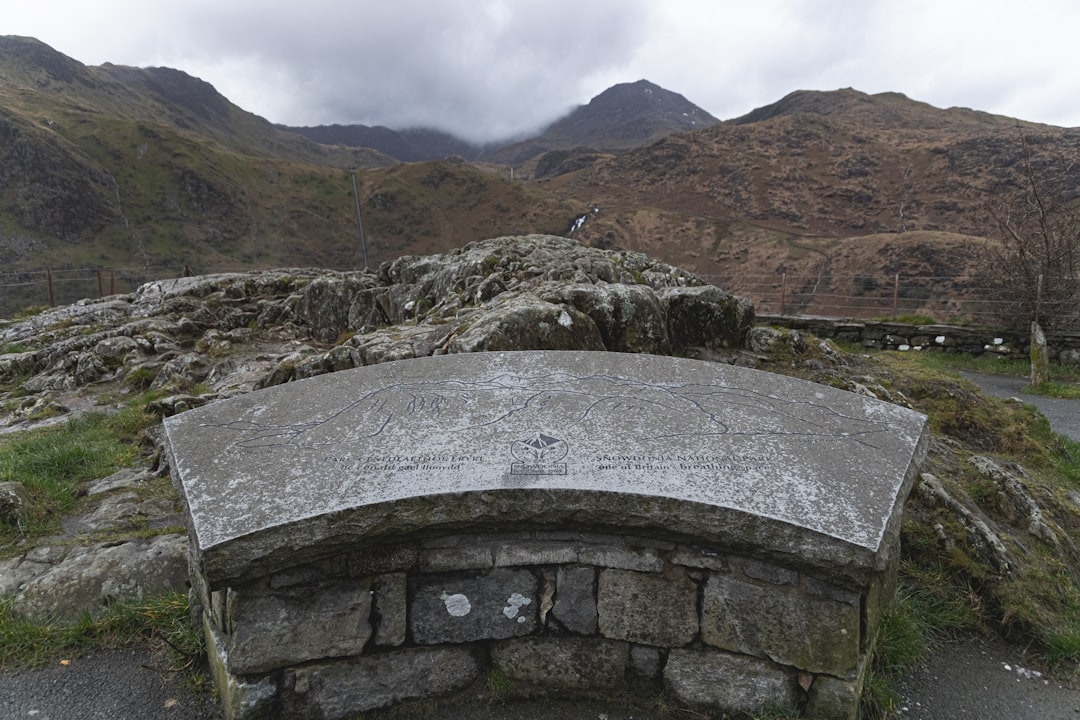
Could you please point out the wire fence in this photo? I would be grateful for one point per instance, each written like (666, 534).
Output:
(945, 299)
(952, 298)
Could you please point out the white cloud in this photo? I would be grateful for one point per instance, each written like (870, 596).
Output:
(489, 68)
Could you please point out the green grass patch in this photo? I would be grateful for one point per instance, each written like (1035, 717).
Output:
(163, 620)
(992, 365)
(931, 605)
(1054, 389)
(52, 463)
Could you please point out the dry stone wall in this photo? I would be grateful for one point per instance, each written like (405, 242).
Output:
(565, 520)
(1063, 348)
(547, 611)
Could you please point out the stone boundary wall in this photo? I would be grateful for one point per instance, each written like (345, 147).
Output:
(1064, 348)
(538, 611)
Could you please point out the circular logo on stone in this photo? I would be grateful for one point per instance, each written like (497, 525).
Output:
(540, 448)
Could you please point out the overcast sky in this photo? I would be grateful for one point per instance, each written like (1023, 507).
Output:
(490, 69)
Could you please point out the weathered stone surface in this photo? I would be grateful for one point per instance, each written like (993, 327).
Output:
(456, 558)
(621, 558)
(341, 690)
(528, 323)
(533, 439)
(728, 683)
(630, 318)
(125, 509)
(811, 633)
(833, 699)
(706, 316)
(453, 609)
(646, 608)
(125, 479)
(646, 664)
(563, 662)
(575, 600)
(89, 578)
(390, 598)
(770, 573)
(14, 499)
(241, 698)
(535, 553)
(274, 629)
(698, 557)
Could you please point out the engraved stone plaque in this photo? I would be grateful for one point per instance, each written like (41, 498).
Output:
(674, 447)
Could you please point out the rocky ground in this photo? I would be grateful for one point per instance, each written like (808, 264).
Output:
(189, 341)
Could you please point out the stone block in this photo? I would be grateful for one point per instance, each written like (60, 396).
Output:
(833, 699)
(390, 599)
(240, 698)
(564, 663)
(575, 600)
(303, 575)
(816, 634)
(269, 630)
(728, 683)
(453, 609)
(703, 558)
(383, 559)
(621, 558)
(646, 665)
(648, 608)
(335, 691)
(535, 553)
(455, 558)
(767, 572)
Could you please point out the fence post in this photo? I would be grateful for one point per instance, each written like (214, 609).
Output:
(100, 285)
(112, 282)
(895, 295)
(783, 291)
(48, 276)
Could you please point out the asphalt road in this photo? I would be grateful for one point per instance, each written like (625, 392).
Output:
(1063, 414)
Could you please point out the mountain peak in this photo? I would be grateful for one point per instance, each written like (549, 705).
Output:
(631, 114)
(28, 60)
(892, 110)
(624, 116)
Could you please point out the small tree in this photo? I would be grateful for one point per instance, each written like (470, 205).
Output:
(1033, 257)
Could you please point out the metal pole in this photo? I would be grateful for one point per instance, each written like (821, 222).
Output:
(359, 220)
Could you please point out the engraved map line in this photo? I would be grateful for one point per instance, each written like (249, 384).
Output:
(544, 390)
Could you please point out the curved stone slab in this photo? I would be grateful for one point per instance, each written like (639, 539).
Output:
(781, 467)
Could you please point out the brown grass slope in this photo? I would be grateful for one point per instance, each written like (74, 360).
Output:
(793, 186)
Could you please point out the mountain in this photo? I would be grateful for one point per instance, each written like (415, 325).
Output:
(820, 184)
(413, 145)
(146, 170)
(625, 116)
(119, 167)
